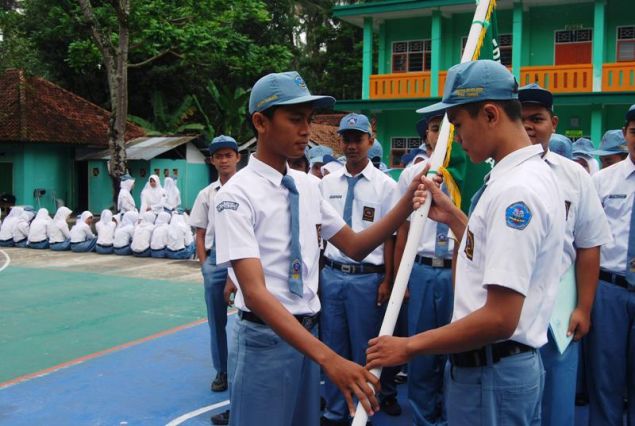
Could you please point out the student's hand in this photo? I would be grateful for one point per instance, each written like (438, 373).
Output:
(386, 351)
(229, 292)
(383, 293)
(353, 380)
(579, 324)
(441, 208)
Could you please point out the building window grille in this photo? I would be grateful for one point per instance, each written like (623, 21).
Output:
(411, 56)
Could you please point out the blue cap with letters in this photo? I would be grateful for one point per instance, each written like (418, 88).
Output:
(561, 145)
(630, 114)
(317, 154)
(358, 122)
(583, 147)
(612, 143)
(475, 81)
(285, 88)
(535, 94)
(222, 141)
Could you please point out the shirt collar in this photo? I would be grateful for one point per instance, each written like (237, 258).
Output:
(265, 170)
(512, 160)
(628, 167)
(367, 172)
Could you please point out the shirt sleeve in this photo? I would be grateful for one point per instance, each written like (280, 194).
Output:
(591, 226)
(199, 213)
(517, 224)
(234, 227)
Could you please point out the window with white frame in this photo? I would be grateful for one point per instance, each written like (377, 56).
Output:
(504, 45)
(580, 35)
(625, 51)
(399, 146)
(411, 56)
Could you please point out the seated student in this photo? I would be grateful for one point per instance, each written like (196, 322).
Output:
(57, 230)
(6, 230)
(22, 226)
(105, 232)
(180, 239)
(37, 238)
(82, 238)
(124, 232)
(159, 240)
(140, 244)
(172, 195)
(152, 195)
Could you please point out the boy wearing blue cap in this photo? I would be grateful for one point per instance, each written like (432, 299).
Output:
(316, 159)
(611, 341)
(613, 148)
(353, 292)
(582, 154)
(507, 263)
(224, 157)
(269, 223)
(586, 230)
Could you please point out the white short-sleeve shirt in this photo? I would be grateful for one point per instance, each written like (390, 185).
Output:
(374, 196)
(514, 239)
(201, 215)
(616, 187)
(252, 221)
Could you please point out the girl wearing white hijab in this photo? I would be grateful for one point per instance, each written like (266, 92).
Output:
(82, 238)
(159, 239)
(125, 202)
(105, 232)
(152, 196)
(6, 230)
(140, 244)
(180, 239)
(37, 232)
(22, 226)
(57, 230)
(124, 232)
(172, 194)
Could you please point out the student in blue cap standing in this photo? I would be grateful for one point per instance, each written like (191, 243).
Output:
(613, 148)
(586, 230)
(611, 341)
(582, 153)
(507, 263)
(316, 159)
(269, 223)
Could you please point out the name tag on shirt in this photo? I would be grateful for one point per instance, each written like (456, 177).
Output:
(335, 197)
(613, 196)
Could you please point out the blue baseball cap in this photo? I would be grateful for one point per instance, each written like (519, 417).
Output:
(630, 114)
(582, 147)
(561, 145)
(376, 150)
(285, 88)
(408, 158)
(317, 154)
(535, 94)
(475, 81)
(612, 143)
(358, 122)
(222, 141)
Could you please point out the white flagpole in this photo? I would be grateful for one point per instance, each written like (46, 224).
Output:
(419, 217)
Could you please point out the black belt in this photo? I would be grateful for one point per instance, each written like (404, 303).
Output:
(307, 321)
(38, 242)
(618, 280)
(356, 268)
(478, 357)
(435, 262)
(104, 245)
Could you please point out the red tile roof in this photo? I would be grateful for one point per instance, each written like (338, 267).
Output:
(33, 109)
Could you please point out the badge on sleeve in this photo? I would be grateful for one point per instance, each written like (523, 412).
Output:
(518, 215)
(226, 205)
(469, 245)
(368, 214)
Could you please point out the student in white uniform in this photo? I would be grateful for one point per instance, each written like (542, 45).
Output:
(22, 226)
(180, 238)
(508, 262)
(124, 232)
(159, 240)
(6, 230)
(140, 244)
(316, 159)
(172, 194)
(105, 233)
(612, 149)
(82, 237)
(57, 231)
(125, 202)
(37, 232)
(586, 230)
(152, 196)
(611, 341)
(269, 221)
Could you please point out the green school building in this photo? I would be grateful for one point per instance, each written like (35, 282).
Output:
(581, 50)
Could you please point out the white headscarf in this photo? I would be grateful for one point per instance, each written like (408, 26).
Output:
(57, 229)
(172, 194)
(152, 198)
(148, 218)
(37, 231)
(105, 228)
(129, 219)
(125, 201)
(62, 214)
(163, 218)
(6, 230)
(85, 215)
(105, 218)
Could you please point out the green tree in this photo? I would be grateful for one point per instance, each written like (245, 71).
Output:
(165, 122)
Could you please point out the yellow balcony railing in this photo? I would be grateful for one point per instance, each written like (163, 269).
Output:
(559, 78)
(619, 77)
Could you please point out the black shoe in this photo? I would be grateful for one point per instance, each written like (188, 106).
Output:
(400, 378)
(391, 406)
(220, 383)
(220, 419)
(328, 422)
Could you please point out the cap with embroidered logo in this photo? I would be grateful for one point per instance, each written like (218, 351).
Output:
(612, 143)
(222, 141)
(285, 88)
(358, 122)
(475, 81)
(535, 94)
(561, 145)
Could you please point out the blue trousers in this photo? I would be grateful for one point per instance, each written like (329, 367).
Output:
(84, 246)
(21, 243)
(7, 243)
(144, 253)
(157, 253)
(429, 307)
(185, 253)
(123, 251)
(40, 245)
(214, 283)
(350, 318)
(611, 356)
(61, 246)
(561, 372)
(104, 249)
(273, 384)
(501, 394)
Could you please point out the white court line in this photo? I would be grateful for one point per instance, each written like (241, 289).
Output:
(198, 412)
(8, 261)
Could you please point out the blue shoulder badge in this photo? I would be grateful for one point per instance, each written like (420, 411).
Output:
(518, 215)
(226, 205)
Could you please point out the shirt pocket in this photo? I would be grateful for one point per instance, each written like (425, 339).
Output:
(616, 205)
(367, 212)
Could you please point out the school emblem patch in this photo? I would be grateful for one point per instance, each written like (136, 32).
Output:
(368, 214)
(300, 82)
(469, 245)
(296, 267)
(352, 121)
(226, 205)
(518, 215)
